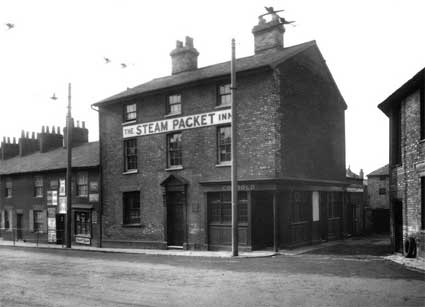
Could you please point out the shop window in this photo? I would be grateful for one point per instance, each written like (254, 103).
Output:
(38, 220)
(130, 112)
(174, 104)
(82, 184)
(131, 205)
(220, 208)
(82, 223)
(130, 155)
(382, 191)
(174, 149)
(38, 186)
(8, 188)
(301, 206)
(224, 97)
(224, 140)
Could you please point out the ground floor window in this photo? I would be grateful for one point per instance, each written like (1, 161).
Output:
(334, 204)
(131, 206)
(301, 205)
(82, 223)
(38, 220)
(220, 208)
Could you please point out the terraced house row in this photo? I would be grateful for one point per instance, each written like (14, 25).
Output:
(164, 153)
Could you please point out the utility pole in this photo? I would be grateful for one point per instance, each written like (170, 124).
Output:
(234, 180)
(69, 126)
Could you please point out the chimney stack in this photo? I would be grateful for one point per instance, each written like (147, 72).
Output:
(80, 135)
(184, 58)
(49, 141)
(8, 149)
(28, 145)
(268, 36)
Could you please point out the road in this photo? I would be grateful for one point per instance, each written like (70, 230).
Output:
(328, 277)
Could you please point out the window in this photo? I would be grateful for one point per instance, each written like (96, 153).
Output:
(54, 184)
(174, 149)
(131, 204)
(382, 178)
(8, 188)
(130, 112)
(130, 155)
(38, 186)
(174, 105)
(301, 206)
(224, 97)
(224, 139)
(82, 184)
(82, 223)
(38, 220)
(6, 219)
(382, 191)
(220, 208)
(396, 136)
(334, 204)
(422, 202)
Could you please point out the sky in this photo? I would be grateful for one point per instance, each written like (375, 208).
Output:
(371, 48)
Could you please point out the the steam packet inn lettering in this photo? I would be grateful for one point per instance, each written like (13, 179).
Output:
(179, 123)
(171, 187)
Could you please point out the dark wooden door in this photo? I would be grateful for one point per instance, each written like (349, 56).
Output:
(60, 228)
(398, 225)
(175, 218)
(19, 226)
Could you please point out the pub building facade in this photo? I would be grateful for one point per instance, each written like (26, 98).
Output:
(33, 188)
(165, 151)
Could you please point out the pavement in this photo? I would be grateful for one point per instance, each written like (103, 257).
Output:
(376, 246)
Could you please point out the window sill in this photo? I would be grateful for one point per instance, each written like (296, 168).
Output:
(172, 115)
(224, 164)
(131, 225)
(174, 168)
(134, 171)
(83, 236)
(129, 122)
(228, 106)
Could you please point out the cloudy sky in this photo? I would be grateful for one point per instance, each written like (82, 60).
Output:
(371, 48)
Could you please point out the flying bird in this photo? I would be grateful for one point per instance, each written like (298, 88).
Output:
(54, 97)
(10, 25)
(284, 21)
(107, 60)
(123, 65)
(269, 9)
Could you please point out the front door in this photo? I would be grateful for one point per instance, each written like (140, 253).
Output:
(398, 225)
(19, 226)
(60, 228)
(175, 218)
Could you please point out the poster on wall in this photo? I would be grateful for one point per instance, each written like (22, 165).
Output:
(51, 223)
(51, 212)
(62, 205)
(93, 197)
(54, 198)
(62, 187)
(51, 236)
(94, 187)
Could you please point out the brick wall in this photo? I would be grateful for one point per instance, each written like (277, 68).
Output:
(377, 200)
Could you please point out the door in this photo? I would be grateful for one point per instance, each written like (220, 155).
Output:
(398, 225)
(60, 228)
(19, 217)
(175, 218)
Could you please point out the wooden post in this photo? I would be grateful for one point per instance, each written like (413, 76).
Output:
(275, 224)
(234, 175)
(69, 125)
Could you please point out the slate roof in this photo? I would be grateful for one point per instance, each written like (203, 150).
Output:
(270, 59)
(85, 155)
(383, 171)
(406, 89)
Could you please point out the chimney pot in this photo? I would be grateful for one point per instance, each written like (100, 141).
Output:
(14, 140)
(22, 133)
(42, 129)
(8, 140)
(47, 129)
(33, 135)
(84, 124)
(27, 135)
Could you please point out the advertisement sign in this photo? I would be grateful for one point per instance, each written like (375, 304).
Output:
(51, 223)
(52, 198)
(93, 197)
(62, 205)
(82, 240)
(94, 186)
(51, 236)
(51, 212)
(178, 123)
(62, 187)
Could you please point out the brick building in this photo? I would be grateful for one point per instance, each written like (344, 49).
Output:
(379, 200)
(355, 203)
(165, 151)
(406, 111)
(33, 189)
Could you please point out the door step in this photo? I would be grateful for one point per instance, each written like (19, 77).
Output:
(174, 247)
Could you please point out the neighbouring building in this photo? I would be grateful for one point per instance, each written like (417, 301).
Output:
(165, 151)
(406, 111)
(379, 200)
(33, 188)
(355, 202)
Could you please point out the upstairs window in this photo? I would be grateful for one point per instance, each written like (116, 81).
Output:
(82, 184)
(38, 186)
(130, 155)
(130, 112)
(382, 191)
(174, 149)
(224, 97)
(396, 136)
(8, 188)
(174, 104)
(224, 140)
(131, 206)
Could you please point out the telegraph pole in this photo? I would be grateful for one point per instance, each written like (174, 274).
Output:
(69, 125)
(234, 180)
